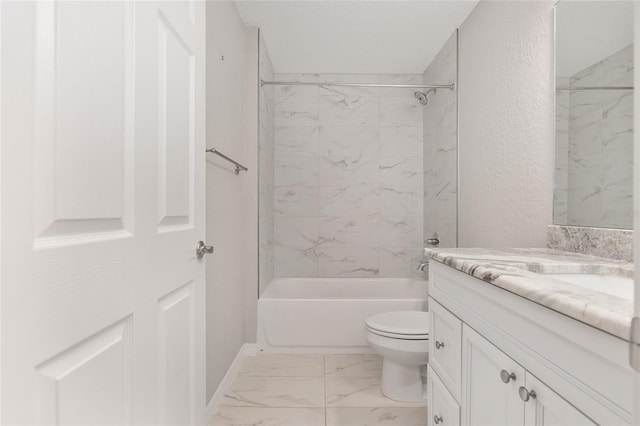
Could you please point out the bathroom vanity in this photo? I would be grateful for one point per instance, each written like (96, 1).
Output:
(513, 341)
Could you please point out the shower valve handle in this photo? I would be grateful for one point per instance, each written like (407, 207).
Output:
(434, 240)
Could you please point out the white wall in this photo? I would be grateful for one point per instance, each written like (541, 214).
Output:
(506, 124)
(231, 199)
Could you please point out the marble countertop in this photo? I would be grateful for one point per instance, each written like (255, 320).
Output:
(521, 271)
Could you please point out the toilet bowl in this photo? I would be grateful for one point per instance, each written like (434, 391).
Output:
(402, 338)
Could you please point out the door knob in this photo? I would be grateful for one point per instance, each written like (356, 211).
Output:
(437, 419)
(439, 345)
(506, 377)
(202, 249)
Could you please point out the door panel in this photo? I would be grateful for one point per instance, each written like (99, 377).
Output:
(90, 381)
(102, 129)
(175, 172)
(83, 109)
(177, 356)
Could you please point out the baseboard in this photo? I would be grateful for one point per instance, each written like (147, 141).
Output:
(248, 349)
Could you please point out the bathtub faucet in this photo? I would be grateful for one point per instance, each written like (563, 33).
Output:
(422, 266)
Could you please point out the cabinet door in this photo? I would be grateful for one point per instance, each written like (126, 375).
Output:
(443, 408)
(490, 396)
(547, 408)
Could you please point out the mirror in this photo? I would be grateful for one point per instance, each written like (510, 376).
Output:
(594, 114)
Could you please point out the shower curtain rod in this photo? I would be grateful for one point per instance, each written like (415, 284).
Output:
(451, 86)
(594, 88)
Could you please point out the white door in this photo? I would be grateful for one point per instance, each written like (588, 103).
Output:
(102, 174)
(548, 408)
(489, 396)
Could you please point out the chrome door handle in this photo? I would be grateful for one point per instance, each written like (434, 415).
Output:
(439, 345)
(437, 419)
(506, 377)
(526, 394)
(202, 249)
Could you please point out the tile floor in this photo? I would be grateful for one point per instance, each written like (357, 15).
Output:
(313, 390)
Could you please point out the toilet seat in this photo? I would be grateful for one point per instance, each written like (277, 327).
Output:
(406, 325)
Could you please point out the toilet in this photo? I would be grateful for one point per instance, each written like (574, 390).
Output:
(402, 338)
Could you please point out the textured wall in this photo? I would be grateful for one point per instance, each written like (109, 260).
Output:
(440, 121)
(266, 168)
(599, 163)
(506, 124)
(348, 178)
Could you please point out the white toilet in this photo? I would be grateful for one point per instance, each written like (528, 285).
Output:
(402, 338)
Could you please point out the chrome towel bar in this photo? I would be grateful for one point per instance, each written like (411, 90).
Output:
(451, 86)
(239, 167)
(579, 88)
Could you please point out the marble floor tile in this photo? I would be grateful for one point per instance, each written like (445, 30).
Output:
(353, 365)
(236, 416)
(283, 365)
(252, 391)
(353, 416)
(358, 392)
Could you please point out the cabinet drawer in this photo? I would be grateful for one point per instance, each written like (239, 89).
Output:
(443, 408)
(445, 346)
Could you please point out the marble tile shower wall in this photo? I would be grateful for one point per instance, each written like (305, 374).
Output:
(266, 162)
(441, 148)
(600, 146)
(561, 178)
(348, 178)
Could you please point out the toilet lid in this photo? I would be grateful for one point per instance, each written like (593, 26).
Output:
(410, 323)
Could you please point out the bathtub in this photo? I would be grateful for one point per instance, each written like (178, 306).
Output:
(326, 315)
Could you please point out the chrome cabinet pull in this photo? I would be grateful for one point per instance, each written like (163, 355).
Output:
(437, 419)
(202, 249)
(526, 394)
(439, 345)
(506, 377)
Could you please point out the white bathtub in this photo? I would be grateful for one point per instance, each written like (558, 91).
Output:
(326, 315)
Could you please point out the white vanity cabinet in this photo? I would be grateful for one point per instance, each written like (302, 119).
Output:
(445, 350)
(548, 408)
(505, 360)
(490, 381)
(496, 388)
(443, 408)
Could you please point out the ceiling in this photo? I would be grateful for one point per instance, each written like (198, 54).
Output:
(370, 37)
(587, 32)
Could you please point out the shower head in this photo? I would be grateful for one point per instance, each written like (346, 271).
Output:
(422, 96)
